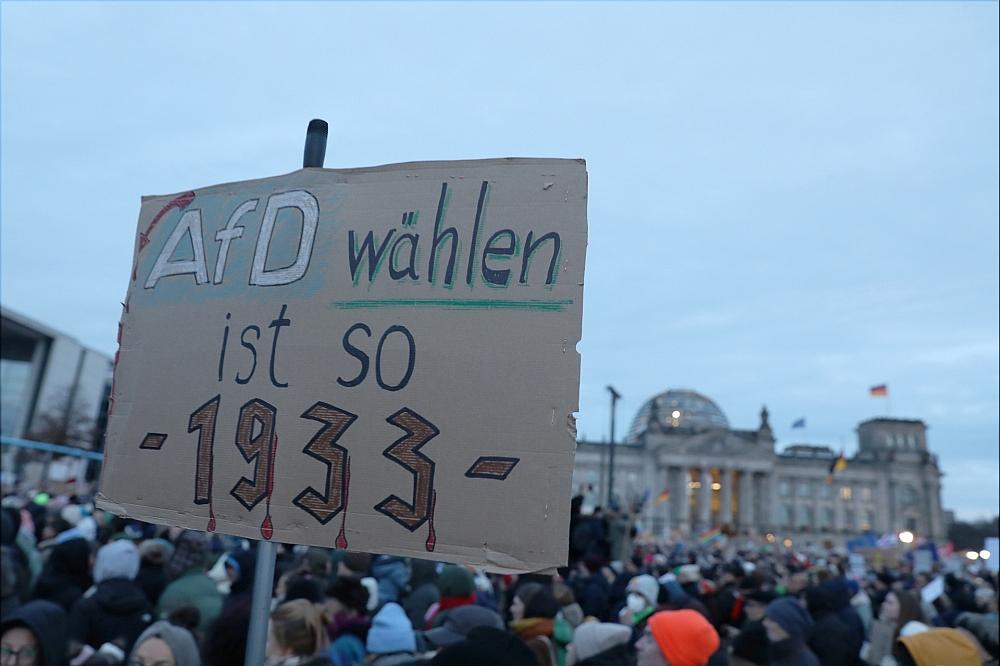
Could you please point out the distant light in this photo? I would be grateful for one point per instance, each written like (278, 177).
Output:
(716, 486)
(675, 414)
(972, 555)
(770, 538)
(984, 554)
(906, 537)
(788, 543)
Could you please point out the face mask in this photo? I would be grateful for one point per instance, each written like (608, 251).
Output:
(635, 602)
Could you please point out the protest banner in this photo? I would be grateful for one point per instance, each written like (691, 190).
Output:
(379, 359)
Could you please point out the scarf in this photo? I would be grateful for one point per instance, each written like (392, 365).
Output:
(530, 627)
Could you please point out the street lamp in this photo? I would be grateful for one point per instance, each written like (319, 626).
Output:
(906, 537)
(984, 554)
(972, 555)
(615, 396)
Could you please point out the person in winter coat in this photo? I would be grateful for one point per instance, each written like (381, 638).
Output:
(392, 575)
(240, 569)
(643, 594)
(296, 633)
(165, 644)
(899, 610)
(839, 594)
(423, 591)
(153, 557)
(457, 588)
(115, 610)
(676, 638)
(751, 645)
(829, 638)
(34, 635)
(534, 612)
(486, 646)
(600, 644)
(391, 640)
(346, 604)
(787, 624)
(189, 585)
(459, 623)
(591, 588)
(66, 575)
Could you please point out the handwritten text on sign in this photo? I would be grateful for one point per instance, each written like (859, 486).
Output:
(345, 358)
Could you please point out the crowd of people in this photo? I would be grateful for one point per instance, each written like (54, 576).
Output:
(84, 587)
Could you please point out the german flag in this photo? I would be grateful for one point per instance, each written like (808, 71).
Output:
(839, 464)
(879, 391)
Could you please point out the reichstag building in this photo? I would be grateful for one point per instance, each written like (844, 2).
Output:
(721, 477)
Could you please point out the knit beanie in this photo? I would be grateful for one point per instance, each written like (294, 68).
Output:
(178, 639)
(190, 550)
(118, 559)
(391, 631)
(790, 616)
(684, 636)
(647, 586)
(538, 600)
(155, 551)
(592, 638)
(455, 581)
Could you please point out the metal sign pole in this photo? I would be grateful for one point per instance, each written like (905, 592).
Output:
(260, 609)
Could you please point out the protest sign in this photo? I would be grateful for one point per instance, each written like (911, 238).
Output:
(379, 359)
(923, 561)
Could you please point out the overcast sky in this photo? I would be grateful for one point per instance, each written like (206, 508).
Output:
(788, 203)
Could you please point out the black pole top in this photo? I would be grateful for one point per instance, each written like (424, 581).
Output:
(315, 151)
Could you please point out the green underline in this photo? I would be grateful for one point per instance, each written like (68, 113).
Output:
(455, 304)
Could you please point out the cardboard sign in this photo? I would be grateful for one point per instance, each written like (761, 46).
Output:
(378, 360)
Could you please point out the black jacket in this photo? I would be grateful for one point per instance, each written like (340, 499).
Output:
(152, 580)
(830, 639)
(116, 611)
(66, 575)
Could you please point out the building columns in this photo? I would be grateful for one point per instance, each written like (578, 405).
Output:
(683, 508)
(726, 497)
(705, 500)
(746, 501)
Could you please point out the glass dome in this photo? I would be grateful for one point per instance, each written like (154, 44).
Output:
(677, 410)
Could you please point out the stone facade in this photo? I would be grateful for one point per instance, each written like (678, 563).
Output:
(717, 476)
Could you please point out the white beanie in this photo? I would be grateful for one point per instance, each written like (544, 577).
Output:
(118, 559)
(592, 638)
(647, 586)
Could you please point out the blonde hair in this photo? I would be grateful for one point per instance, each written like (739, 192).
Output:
(299, 626)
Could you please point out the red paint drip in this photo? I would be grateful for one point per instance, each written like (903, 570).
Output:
(211, 519)
(267, 527)
(341, 541)
(431, 535)
(181, 202)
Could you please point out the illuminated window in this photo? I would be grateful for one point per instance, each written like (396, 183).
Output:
(845, 493)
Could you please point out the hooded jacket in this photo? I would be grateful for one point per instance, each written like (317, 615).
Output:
(116, 610)
(66, 574)
(829, 638)
(47, 621)
(793, 618)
